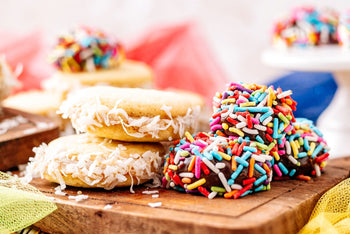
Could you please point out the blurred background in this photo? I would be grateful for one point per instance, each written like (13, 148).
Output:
(236, 30)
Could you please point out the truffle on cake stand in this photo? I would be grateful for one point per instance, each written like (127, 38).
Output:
(334, 121)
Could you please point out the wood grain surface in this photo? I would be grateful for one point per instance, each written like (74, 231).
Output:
(17, 143)
(283, 209)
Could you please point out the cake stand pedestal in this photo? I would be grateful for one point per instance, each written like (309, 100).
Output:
(334, 122)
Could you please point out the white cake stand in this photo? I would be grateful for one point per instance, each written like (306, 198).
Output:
(335, 120)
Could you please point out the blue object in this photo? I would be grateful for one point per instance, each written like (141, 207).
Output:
(313, 91)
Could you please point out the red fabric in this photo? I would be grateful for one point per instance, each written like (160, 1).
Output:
(30, 51)
(180, 58)
(178, 54)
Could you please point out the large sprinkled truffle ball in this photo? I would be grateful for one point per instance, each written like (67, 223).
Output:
(215, 166)
(253, 112)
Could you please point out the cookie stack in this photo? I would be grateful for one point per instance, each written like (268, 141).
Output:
(254, 139)
(121, 130)
(82, 57)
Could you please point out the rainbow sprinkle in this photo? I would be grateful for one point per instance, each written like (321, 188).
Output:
(85, 49)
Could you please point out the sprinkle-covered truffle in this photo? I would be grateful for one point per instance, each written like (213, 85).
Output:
(217, 166)
(85, 49)
(253, 112)
(306, 26)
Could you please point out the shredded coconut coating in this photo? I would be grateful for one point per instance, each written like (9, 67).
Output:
(11, 123)
(94, 114)
(155, 204)
(78, 198)
(106, 170)
(107, 207)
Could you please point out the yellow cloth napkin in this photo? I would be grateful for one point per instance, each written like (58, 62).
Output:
(332, 212)
(21, 204)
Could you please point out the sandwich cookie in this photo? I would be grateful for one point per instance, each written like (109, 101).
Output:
(129, 73)
(38, 102)
(92, 162)
(132, 114)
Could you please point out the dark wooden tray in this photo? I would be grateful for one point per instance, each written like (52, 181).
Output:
(17, 143)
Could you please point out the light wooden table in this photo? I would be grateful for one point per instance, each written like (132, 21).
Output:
(284, 209)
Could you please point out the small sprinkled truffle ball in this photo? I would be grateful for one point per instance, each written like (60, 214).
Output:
(303, 153)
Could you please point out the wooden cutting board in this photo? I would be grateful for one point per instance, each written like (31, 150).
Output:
(284, 209)
(30, 131)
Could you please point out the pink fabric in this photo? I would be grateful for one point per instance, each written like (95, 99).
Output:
(178, 54)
